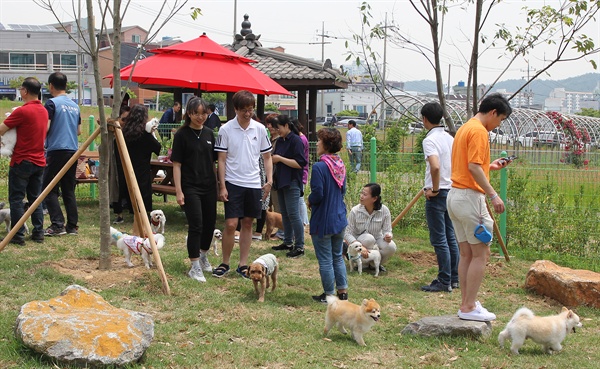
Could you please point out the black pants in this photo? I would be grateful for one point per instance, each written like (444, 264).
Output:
(55, 161)
(201, 213)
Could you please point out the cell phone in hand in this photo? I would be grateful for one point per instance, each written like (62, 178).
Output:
(509, 158)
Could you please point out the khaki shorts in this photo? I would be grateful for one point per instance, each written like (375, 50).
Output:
(467, 209)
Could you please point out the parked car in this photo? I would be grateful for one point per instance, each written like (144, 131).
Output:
(415, 127)
(498, 136)
(344, 122)
(542, 138)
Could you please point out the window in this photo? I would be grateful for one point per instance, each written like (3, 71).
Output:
(23, 61)
(136, 39)
(65, 61)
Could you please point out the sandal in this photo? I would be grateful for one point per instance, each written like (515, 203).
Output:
(243, 271)
(221, 270)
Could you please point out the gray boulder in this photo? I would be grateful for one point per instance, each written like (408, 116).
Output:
(448, 325)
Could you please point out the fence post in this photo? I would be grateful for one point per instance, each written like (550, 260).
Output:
(503, 192)
(92, 147)
(373, 159)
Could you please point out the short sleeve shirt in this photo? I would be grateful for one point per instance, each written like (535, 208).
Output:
(471, 145)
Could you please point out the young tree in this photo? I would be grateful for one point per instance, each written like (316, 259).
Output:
(109, 10)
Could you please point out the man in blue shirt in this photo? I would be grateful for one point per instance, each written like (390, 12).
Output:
(61, 144)
(168, 119)
(354, 145)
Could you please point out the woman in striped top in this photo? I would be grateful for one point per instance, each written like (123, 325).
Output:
(370, 223)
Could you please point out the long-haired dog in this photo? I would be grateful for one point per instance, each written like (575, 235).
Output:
(217, 236)
(152, 125)
(157, 221)
(130, 245)
(273, 221)
(357, 318)
(5, 217)
(260, 270)
(548, 331)
(355, 257)
(8, 139)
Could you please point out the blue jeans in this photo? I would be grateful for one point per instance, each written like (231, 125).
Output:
(55, 161)
(25, 179)
(303, 210)
(355, 158)
(441, 236)
(290, 215)
(331, 262)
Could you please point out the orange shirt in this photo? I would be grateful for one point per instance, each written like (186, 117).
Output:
(471, 145)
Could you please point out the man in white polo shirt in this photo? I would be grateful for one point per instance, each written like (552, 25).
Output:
(240, 143)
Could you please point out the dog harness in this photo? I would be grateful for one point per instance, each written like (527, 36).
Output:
(136, 244)
(155, 223)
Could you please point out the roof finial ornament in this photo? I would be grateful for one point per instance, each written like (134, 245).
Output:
(246, 37)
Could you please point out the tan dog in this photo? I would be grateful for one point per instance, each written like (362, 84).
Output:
(273, 221)
(260, 270)
(358, 319)
(548, 331)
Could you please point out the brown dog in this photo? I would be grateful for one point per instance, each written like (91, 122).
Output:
(357, 318)
(273, 221)
(260, 270)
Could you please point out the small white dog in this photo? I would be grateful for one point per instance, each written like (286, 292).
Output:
(549, 331)
(157, 221)
(140, 246)
(217, 236)
(5, 217)
(8, 140)
(152, 126)
(115, 235)
(354, 257)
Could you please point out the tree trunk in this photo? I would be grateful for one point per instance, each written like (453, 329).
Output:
(475, 55)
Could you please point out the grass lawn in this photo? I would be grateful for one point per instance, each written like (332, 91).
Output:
(219, 324)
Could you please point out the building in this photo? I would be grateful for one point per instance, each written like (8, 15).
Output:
(38, 51)
(571, 102)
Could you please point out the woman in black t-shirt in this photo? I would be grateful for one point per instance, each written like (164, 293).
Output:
(194, 175)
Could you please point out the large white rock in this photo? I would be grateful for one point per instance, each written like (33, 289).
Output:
(80, 327)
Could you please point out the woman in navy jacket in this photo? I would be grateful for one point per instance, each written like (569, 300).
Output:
(328, 213)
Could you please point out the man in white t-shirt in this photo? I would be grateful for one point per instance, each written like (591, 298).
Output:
(437, 147)
(240, 143)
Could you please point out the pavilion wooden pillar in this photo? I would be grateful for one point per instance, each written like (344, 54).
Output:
(312, 115)
(260, 107)
(302, 105)
(229, 106)
(177, 96)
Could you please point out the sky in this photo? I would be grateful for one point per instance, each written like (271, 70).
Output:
(296, 25)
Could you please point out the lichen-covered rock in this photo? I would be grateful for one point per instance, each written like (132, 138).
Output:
(570, 287)
(448, 325)
(80, 327)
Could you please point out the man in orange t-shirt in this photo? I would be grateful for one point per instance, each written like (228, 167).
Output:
(466, 200)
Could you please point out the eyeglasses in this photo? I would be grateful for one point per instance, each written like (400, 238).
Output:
(22, 88)
(246, 111)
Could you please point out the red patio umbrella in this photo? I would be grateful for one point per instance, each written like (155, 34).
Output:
(201, 64)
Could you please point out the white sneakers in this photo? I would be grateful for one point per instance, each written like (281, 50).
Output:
(480, 314)
(204, 263)
(197, 274)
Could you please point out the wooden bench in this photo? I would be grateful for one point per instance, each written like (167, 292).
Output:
(164, 189)
(94, 155)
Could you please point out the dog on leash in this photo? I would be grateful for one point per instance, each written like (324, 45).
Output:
(355, 257)
(130, 245)
(260, 270)
(217, 236)
(548, 331)
(273, 221)
(157, 221)
(357, 318)
(5, 217)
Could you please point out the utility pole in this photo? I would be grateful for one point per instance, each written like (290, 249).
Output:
(79, 57)
(323, 36)
(528, 94)
(449, 67)
(383, 108)
(234, 18)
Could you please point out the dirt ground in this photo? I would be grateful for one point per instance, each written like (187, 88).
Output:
(121, 274)
(87, 269)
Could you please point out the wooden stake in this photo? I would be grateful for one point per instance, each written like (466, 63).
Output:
(407, 208)
(497, 233)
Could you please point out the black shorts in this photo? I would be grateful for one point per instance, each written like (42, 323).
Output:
(243, 202)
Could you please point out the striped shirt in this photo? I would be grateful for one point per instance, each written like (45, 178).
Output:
(377, 224)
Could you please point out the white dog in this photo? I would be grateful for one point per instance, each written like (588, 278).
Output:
(115, 235)
(354, 257)
(8, 140)
(157, 221)
(139, 246)
(549, 331)
(152, 126)
(217, 236)
(5, 217)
